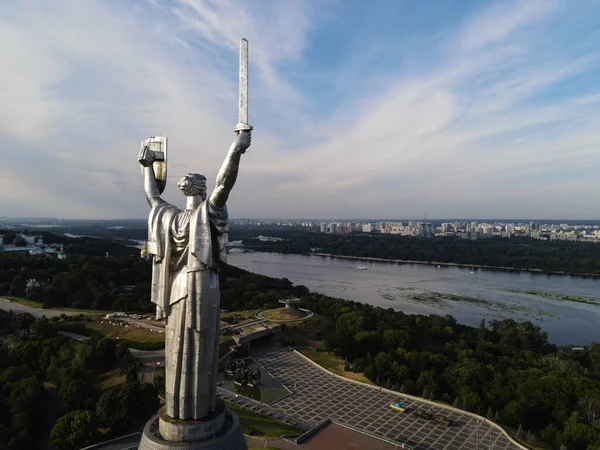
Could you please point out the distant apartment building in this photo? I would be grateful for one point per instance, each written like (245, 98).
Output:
(391, 227)
(487, 231)
(447, 227)
(425, 229)
(367, 228)
(323, 228)
(29, 239)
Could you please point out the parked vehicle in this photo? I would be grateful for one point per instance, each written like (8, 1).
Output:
(442, 420)
(397, 406)
(423, 414)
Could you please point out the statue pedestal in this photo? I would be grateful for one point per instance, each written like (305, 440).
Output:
(219, 430)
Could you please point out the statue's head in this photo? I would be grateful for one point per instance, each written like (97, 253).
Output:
(193, 184)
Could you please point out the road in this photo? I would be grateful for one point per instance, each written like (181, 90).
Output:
(141, 324)
(149, 358)
(7, 305)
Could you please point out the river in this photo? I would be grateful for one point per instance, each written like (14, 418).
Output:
(567, 307)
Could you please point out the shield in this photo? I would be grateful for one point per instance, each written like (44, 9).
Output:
(158, 145)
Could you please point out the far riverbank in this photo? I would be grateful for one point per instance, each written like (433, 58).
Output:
(447, 264)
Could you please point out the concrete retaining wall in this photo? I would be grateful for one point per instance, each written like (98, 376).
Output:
(312, 432)
(102, 444)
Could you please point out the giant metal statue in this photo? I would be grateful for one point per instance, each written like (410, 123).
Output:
(187, 247)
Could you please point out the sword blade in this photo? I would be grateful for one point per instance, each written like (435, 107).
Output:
(243, 106)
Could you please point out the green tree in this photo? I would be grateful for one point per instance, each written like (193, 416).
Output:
(76, 392)
(19, 242)
(43, 329)
(22, 321)
(124, 405)
(73, 430)
(530, 437)
(109, 409)
(106, 351)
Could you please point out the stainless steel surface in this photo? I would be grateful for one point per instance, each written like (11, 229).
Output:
(188, 248)
(158, 146)
(243, 99)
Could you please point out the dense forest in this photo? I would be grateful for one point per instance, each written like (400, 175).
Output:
(49, 384)
(517, 252)
(118, 283)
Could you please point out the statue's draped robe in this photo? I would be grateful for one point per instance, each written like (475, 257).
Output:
(188, 247)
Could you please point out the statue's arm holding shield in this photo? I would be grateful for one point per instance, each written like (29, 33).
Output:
(229, 170)
(146, 159)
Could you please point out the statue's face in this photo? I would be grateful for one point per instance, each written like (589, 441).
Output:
(192, 186)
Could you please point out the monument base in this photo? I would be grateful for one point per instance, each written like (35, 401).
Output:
(220, 430)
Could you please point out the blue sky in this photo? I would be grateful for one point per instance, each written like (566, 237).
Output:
(361, 109)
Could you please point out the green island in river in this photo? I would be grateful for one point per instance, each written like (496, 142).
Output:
(587, 299)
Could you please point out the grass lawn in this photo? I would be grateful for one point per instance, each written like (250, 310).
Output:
(109, 379)
(248, 316)
(158, 378)
(283, 314)
(225, 338)
(257, 425)
(224, 346)
(136, 337)
(316, 329)
(333, 363)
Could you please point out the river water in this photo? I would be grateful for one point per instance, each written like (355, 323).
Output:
(424, 289)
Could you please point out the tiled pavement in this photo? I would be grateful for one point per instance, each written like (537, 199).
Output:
(262, 408)
(319, 395)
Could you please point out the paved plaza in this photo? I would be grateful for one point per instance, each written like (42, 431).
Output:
(319, 395)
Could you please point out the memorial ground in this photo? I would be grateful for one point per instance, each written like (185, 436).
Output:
(318, 395)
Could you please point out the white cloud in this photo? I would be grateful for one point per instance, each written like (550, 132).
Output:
(500, 20)
(476, 127)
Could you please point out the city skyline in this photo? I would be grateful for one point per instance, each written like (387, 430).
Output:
(457, 109)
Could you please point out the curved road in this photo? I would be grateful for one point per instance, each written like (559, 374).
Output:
(149, 359)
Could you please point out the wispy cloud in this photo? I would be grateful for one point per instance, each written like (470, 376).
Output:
(485, 112)
(499, 21)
